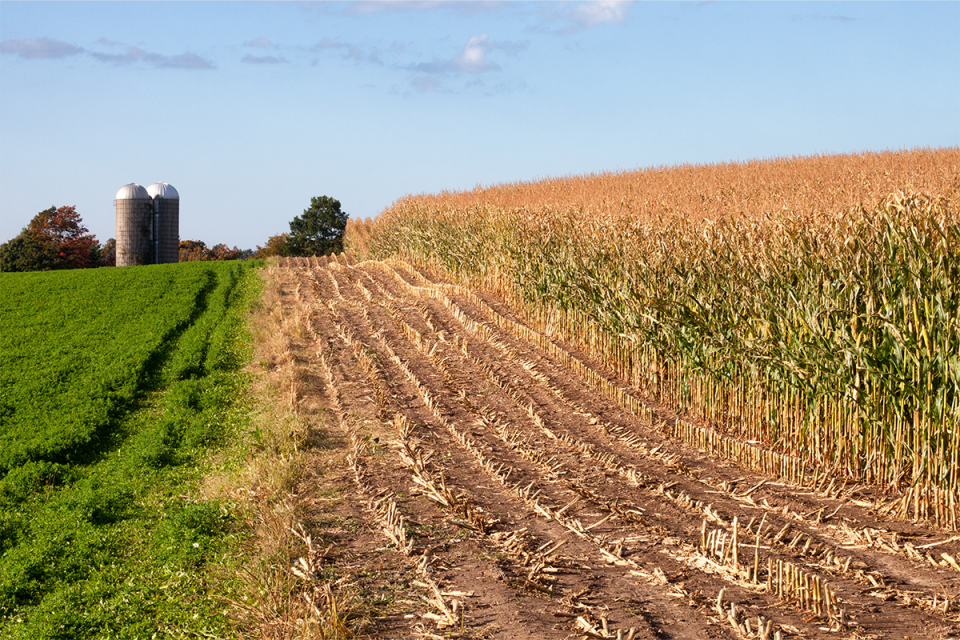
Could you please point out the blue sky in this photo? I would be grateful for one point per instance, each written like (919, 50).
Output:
(251, 108)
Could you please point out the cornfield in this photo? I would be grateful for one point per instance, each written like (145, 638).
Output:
(809, 306)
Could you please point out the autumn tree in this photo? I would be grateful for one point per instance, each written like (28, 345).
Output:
(319, 231)
(54, 239)
(274, 246)
(224, 252)
(192, 250)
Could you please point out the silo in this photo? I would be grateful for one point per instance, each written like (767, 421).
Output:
(134, 226)
(166, 204)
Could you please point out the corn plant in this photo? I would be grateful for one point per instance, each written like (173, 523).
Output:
(829, 333)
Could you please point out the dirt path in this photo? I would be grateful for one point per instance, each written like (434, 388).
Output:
(524, 497)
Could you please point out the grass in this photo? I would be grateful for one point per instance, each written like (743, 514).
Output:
(290, 590)
(123, 388)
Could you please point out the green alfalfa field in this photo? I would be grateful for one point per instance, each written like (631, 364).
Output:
(121, 391)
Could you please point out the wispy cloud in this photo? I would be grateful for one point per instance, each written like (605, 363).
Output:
(426, 84)
(259, 43)
(249, 59)
(395, 6)
(383, 6)
(49, 49)
(40, 49)
(833, 18)
(135, 55)
(352, 52)
(262, 43)
(566, 18)
(592, 14)
(473, 58)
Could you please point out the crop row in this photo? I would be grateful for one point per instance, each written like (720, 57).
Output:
(823, 342)
(422, 353)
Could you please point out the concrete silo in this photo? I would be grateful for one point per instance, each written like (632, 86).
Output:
(134, 226)
(166, 207)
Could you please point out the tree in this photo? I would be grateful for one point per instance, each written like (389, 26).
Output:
(274, 246)
(223, 252)
(319, 231)
(54, 239)
(108, 253)
(28, 252)
(191, 250)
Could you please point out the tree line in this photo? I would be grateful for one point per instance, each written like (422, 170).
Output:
(57, 239)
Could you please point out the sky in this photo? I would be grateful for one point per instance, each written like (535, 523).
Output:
(249, 109)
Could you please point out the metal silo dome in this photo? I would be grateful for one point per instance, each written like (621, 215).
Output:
(133, 191)
(164, 190)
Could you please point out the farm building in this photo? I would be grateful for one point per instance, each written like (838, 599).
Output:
(148, 224)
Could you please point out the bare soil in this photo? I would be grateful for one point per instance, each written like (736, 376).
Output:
(487, 490)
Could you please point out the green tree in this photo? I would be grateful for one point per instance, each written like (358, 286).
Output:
(319, 231)
(28, 252)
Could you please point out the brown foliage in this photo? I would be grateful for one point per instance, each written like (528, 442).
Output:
(193, 250)
(274, 246)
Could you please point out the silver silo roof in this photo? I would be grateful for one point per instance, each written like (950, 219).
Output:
(164, 190)
(132, 191)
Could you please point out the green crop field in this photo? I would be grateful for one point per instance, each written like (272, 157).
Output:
(117, 389)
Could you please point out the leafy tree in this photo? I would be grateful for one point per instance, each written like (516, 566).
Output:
(319, 231)
(54, 239)
(191, 250)
(28, 252)
(108, 253)
(223, 252)
(274, 246)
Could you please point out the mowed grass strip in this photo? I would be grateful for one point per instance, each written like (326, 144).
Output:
(119, 388)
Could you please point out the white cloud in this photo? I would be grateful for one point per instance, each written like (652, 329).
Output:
(40, 49)
(592, 14)
(569, 17)
(473, 58)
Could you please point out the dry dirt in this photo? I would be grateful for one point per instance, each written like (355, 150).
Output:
(486, 490)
